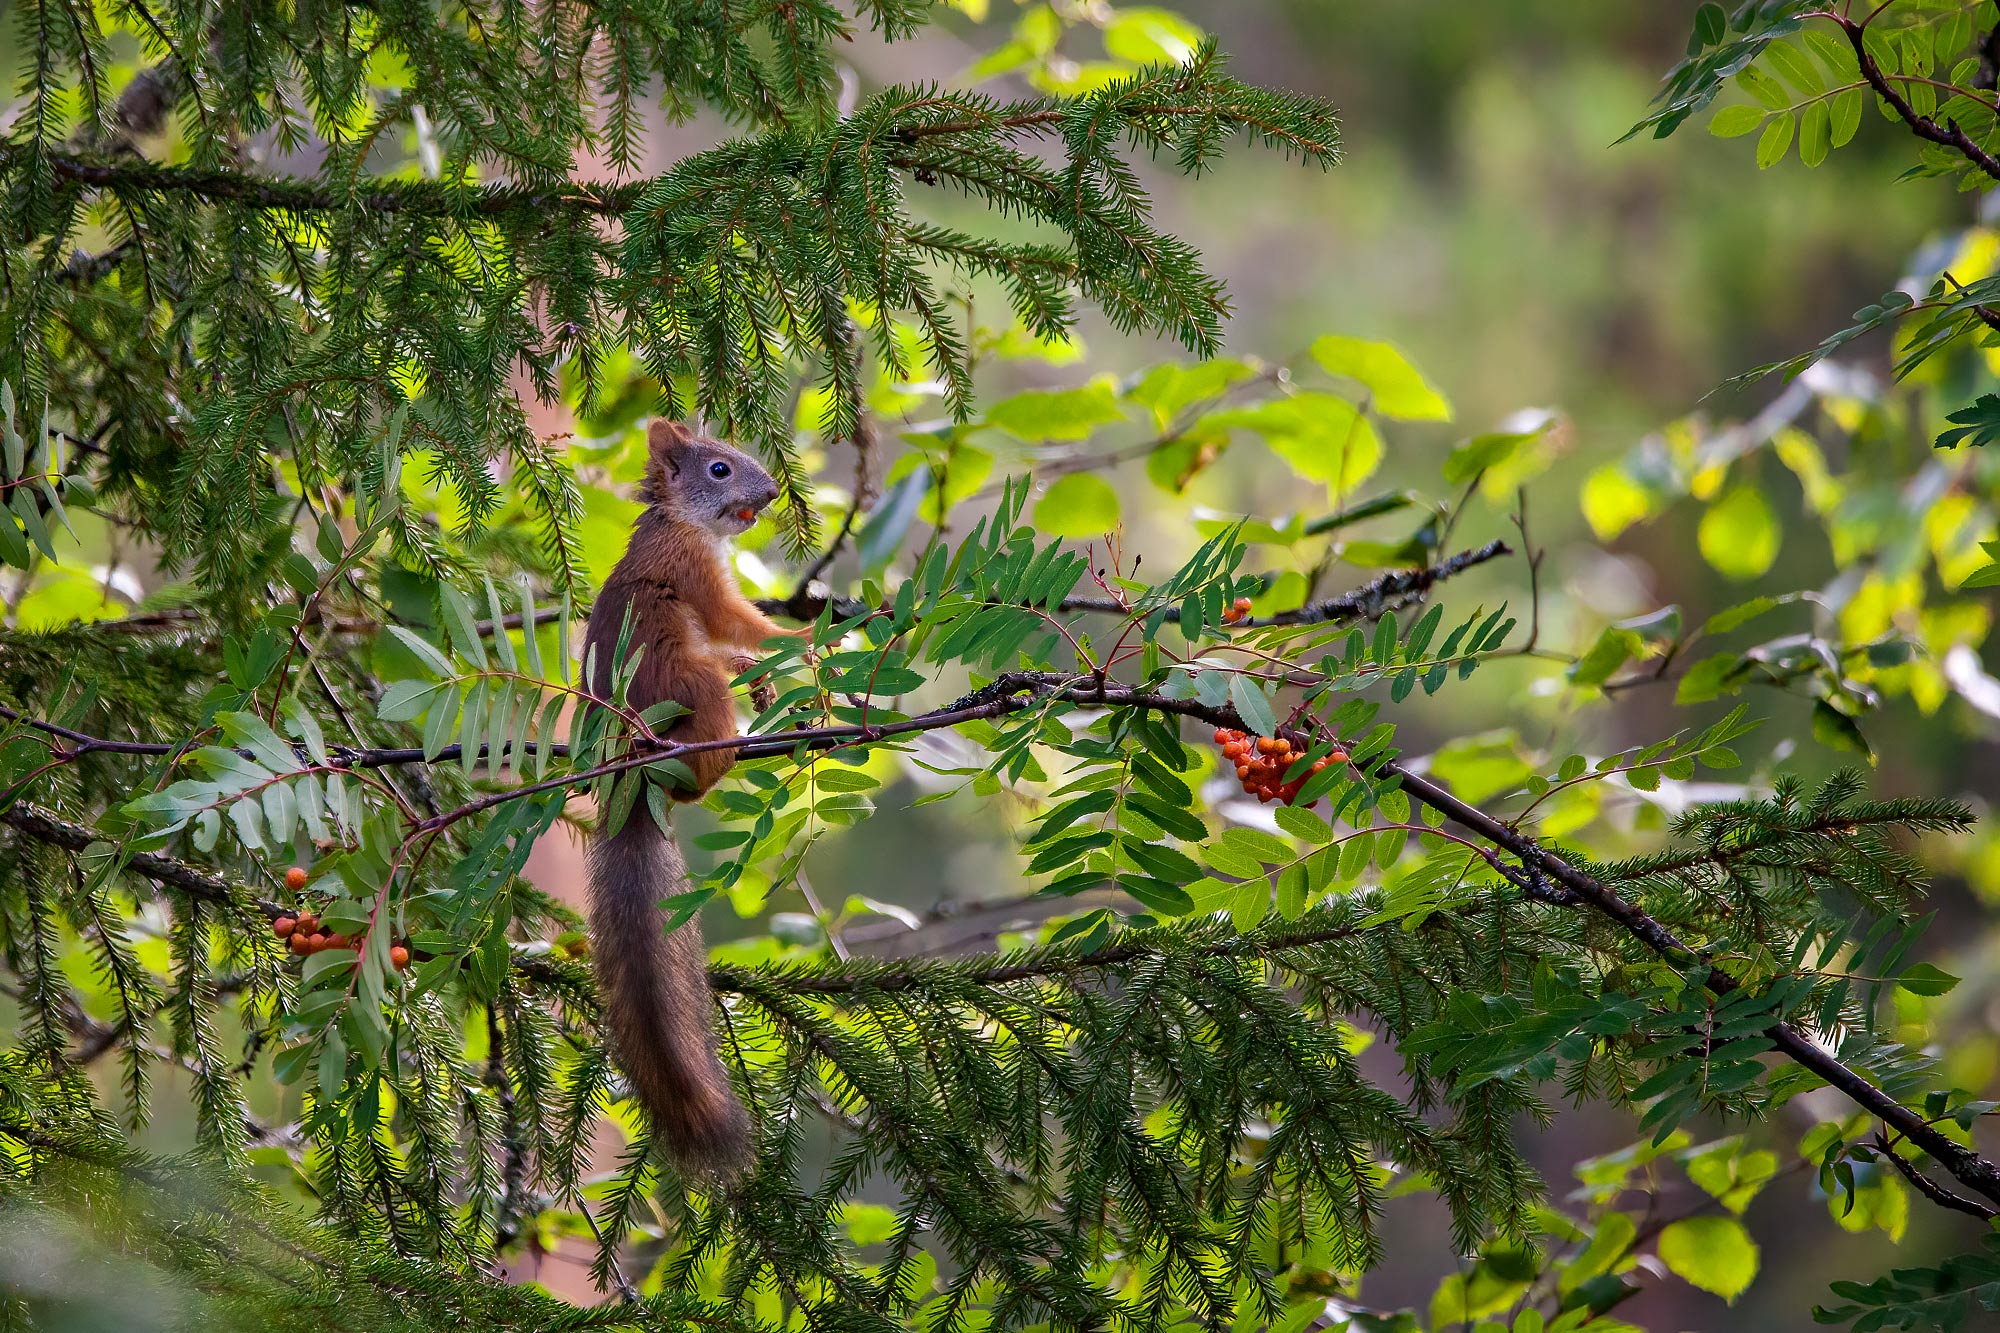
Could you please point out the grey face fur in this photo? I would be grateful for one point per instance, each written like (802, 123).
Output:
(706, 481)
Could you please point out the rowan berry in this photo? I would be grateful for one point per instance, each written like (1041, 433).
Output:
(295, 878)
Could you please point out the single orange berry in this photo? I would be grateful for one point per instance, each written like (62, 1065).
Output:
(399, 956)
(295, 878)
(318, 941)
(1319, 765)
(336, 941)
(283, 926)
(1338, 756)
(308, 922)
(301, 944)
(1242, 604)
(1265, 745)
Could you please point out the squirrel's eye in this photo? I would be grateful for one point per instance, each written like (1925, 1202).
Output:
(718, 470)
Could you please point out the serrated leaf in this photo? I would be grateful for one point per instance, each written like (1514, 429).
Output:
(1253, 704)
(426, 652)
(461, 625)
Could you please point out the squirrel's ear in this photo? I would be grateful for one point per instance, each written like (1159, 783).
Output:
(667, 437)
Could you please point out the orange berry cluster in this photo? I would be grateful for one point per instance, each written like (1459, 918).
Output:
(1261, 762)
(303, 933)
(1236, 611)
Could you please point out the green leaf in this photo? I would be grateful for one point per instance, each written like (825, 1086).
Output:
(426, 651)
(1837, 731)
(1711, 24)
(1764, 88)
(1733, 1176)
(1713, 1253)
(1844, 116)
(1323, 436)
(1078, 506)
(406, 700)
(1614, 647)
(1706, 679)
(1733, 121)
(1739, 615)
(1776, 140)
(1057, 414)
(1815, 134)
(462, 625)
(1927, 979)
(1796, 67)
(1146, 35)
(1481, 452)
(1395, 387)
(1739, 535)
(1613, 501)
(1254, 704)
(889, 522)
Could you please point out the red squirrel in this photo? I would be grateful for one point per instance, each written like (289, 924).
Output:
(694, 624)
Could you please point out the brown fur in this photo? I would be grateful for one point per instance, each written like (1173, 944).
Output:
(686, 610)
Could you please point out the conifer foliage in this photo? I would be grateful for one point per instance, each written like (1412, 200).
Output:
(271, 282)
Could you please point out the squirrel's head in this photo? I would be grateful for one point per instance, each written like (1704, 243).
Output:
(703, 480)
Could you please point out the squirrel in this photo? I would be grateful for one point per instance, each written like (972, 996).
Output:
(685, 609)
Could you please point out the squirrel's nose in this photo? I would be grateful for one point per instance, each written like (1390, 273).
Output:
(768, 494)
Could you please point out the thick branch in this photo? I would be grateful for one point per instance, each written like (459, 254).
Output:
(1968, 1167)
(44, 826)
(1948, 135)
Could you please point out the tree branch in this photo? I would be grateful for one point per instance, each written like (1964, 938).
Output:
(1948, 135)
(290, 194)
(1930, 1189)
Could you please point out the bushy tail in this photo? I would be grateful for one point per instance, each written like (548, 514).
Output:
(655, 991)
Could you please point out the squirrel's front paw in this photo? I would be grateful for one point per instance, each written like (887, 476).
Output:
(762, 693)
